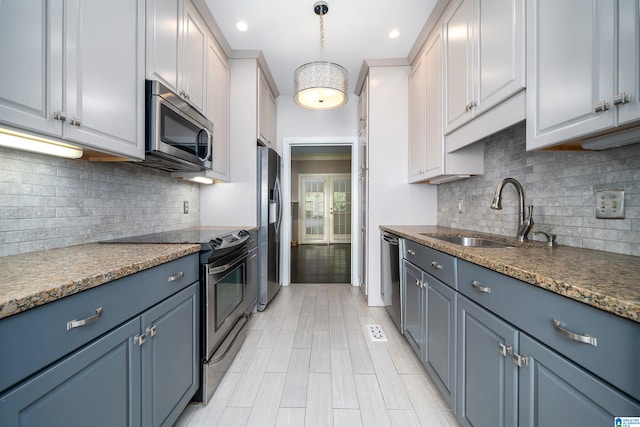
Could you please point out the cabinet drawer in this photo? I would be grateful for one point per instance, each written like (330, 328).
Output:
(440, 265)
(613, 353)
(35, 338)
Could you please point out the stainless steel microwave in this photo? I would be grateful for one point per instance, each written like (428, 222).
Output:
(178, 137)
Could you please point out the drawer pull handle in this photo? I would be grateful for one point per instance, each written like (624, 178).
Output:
(436, 265)
(410, 252)
(584, 338)
(176, 277)
(476, 285)
(77, 323)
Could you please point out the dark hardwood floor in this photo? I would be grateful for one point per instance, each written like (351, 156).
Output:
(321, 263)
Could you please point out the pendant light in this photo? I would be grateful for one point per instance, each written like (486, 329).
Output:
(320, 85)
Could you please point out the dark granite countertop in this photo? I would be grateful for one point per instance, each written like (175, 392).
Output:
(36, 278)
(604, 280)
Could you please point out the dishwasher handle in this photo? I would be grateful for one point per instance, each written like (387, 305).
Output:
(389, 239)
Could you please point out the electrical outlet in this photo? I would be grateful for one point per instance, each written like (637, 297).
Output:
(460, 206)
(185, 207)
(610, 204)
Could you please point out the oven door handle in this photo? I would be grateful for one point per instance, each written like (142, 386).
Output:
(229, 265)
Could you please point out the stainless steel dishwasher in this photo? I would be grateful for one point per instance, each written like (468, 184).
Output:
(390, 277)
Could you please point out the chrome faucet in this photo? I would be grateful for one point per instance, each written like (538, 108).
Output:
(525, 219)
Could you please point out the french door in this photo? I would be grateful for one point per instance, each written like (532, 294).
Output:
(325, 208)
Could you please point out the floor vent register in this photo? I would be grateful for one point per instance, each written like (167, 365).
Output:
(376, 333)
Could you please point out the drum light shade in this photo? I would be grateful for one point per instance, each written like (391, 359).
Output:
(320, 85)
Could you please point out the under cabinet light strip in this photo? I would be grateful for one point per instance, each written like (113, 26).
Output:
(25, 142)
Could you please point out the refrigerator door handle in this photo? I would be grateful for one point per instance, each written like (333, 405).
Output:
(278, 198)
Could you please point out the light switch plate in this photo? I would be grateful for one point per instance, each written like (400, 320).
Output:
(610, 204)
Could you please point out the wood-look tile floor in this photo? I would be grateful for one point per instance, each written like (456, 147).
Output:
(308, 360)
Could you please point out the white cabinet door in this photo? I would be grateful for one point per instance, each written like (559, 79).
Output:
(629, 61)
(500, 52)
(31, 74)
(104, 70)
(266, 112)
(434, 157)
(164, 29)
(458, 40)
(218, 110)
(99, 100)
(569, 72)
(417, 121)
(194, 48)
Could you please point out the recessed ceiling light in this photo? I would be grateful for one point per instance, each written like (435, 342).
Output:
(394, 34)
(242, 26)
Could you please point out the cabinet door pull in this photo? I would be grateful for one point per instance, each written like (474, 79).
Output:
(601, 106)
(410, 252)
(520, 360)
(418, 283)
(505, 349)
(584, 338)
(621, 98)
(77, 323)
(151, 331)
(476, 285)
(60, 115)
(176, 277)
(75, 121)
(436, 265)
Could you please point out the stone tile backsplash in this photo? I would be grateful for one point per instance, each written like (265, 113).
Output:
(49, 202)
(560, 184)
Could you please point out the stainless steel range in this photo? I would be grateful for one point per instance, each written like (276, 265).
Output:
(228, 294)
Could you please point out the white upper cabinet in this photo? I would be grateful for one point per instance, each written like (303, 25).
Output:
(584, 81)
(417, 119)
(77, 72)
(177, 48)
(218, 110)
(484, 57)
(627, 97)
(428, 159)
(192, 79)
(266, 112)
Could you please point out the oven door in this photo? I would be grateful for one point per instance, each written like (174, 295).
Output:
(224, 297)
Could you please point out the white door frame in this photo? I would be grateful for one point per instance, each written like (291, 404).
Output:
(285, 235)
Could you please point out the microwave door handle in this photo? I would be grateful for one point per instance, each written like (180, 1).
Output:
(209, 143)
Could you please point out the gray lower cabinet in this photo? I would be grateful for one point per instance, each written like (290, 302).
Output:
(140, 373)
(170, 369)
(430, 325)
(505, 353)
(487, 379)
(414, 328)
(96, 386)
(556, 392)
(440, 359)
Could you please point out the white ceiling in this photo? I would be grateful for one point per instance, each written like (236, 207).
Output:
(288, 32)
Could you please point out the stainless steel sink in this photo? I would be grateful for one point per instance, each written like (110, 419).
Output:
(471, 241)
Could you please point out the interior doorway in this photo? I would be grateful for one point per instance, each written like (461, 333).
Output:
(321, 220)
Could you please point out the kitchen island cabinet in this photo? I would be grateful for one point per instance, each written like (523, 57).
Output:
(77, 72)
(143, 371)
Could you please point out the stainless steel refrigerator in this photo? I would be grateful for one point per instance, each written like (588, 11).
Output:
(269, 221)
